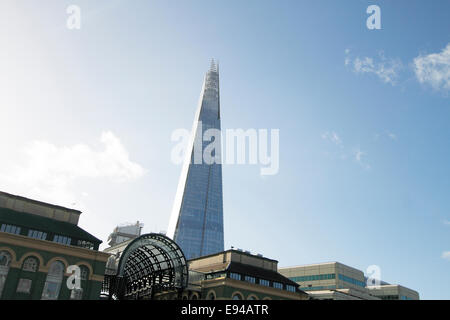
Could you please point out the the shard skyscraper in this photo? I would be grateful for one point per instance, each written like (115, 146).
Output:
(196, 223)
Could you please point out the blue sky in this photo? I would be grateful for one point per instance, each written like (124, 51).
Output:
(363, 119)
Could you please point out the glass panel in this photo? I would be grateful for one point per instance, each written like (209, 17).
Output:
(30, 264)
(53, 281)
(24, 286)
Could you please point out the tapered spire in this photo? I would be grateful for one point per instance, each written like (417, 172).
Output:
(214, 66)
(196, 223)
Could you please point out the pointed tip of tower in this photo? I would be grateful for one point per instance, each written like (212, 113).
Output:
(214, 65)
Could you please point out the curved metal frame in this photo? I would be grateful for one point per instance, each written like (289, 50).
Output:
(151, 263)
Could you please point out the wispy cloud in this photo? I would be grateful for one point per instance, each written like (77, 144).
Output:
(49, 172)
(387, 134)
(446, 255)
(434, 69)
(333, 137)
(446, 222)
(391, 135)
(386, 69)
(360, 158)
(343, 154)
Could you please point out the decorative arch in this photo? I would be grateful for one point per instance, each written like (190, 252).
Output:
(267, 298)
(34, 255)
(150, 264)
(54, 280)
(237, 293)
(211, 292)
(64, 261)
(194, 296)
(252, 297)
(87, 265)
(12, 254)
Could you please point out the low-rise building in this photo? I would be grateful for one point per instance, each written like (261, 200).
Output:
(393, 292)
(337, 281)
(228, 275)
(38, 242)
(239, 275)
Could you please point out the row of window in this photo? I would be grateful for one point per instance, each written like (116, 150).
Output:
(352, 281)
(62, 239)
(37, 234)
(10, 229)
(311, 288)
(314, 277)
(40, 235)
(53, 281)
(212, 296)
(329, 276)
(394, 297)
(389, 297)
(262, 282)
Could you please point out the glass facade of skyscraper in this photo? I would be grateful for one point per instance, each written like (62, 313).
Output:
(197, 218)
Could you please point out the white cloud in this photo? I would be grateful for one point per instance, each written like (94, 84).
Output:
(333, 137)
(391, 135)
(359, 158)
(48, 172)
(386, 69)
(434, 69)
(446, 222)
(446, 255)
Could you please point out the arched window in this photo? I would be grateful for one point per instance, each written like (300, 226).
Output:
(237, 296)
(5, 261)
(53, 281)
(84, 272)
(30, 264)
(77, 294)
(211, 296)
(252, 297)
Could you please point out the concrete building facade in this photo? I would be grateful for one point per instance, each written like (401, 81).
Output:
(337, 281)
(393, 292)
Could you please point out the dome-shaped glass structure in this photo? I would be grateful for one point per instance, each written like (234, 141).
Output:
(150, 264)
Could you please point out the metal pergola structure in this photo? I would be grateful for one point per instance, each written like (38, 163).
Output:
(150, 264)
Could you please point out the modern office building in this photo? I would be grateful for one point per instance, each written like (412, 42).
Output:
(196, 222)
(393, 292)
(337, 281)
(331, 280)
(38, 242)
(125, 232)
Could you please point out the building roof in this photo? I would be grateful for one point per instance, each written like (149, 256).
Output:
(235, 251)
(49, 205)
(320, 265)
(246, 269)
(39, 223)
(259, 273)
